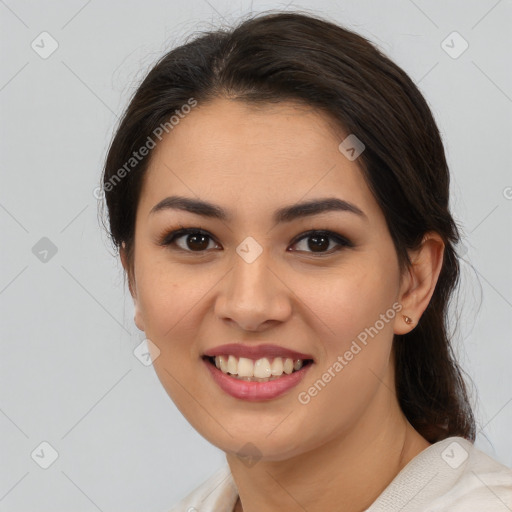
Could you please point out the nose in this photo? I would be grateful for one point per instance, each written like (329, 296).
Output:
(253, 295)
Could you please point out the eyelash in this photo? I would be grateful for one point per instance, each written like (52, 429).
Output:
(169, 238)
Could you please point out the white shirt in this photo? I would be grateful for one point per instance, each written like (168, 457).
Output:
(448, 476)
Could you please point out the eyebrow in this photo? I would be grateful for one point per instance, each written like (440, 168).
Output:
(284, 214)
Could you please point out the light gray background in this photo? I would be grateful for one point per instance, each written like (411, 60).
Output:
(68, 374)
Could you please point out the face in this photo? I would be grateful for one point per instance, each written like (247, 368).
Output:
(324, 285)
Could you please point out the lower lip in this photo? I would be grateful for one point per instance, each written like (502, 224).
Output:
(256, 391)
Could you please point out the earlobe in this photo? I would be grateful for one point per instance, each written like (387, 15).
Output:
(137, 318)
(419, 284)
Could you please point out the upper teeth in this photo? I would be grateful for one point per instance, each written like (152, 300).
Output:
(261, 368)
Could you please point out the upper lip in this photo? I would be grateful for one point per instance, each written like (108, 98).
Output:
(255, 351)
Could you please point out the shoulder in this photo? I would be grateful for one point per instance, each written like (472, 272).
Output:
(450, 475)
(478, 481)
(217, 494)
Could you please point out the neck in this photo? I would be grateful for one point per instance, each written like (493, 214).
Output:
(346, 473)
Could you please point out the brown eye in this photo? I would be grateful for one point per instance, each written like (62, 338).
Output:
(189, 240)
(197, 242)
(320, 241)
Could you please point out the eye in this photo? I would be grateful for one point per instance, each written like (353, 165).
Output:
(194, 239)
(197, 240)
(320, 241)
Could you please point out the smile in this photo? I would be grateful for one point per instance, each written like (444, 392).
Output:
(261, 370)
(255, 380)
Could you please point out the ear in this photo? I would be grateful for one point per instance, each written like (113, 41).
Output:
(419, 281)
(131, 286)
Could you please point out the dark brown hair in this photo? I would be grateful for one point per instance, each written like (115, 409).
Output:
(300, 57)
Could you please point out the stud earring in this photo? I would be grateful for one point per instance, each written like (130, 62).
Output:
(407, 319)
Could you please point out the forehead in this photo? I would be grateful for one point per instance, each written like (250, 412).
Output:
(237, 155)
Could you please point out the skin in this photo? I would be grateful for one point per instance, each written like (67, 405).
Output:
(340, 450)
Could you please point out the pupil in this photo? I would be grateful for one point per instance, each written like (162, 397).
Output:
(203, 244)
(324, 244)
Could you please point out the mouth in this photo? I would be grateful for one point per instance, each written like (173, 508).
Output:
(264, 369)
(251, 379)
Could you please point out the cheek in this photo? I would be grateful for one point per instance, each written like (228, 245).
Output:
(166, 292)
(170, 302)
(349, 301)
(356, 316)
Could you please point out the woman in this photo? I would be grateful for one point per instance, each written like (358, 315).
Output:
(279, 197)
